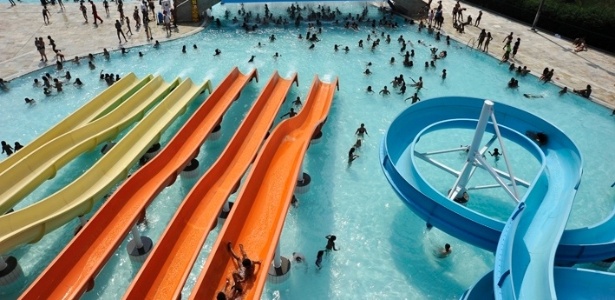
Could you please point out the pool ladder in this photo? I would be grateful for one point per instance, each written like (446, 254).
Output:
(471, 41)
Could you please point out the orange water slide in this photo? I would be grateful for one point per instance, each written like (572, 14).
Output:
(69, 275)
(168, 266)
(258, 215)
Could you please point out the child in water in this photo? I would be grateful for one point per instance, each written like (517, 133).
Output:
(496, 153)
(331, 243)
(351, 155)
(446, 251)
(319, 258)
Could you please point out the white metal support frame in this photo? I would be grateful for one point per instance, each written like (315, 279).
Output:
(475, 159)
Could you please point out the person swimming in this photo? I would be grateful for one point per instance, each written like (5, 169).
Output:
(358, 144)
(331, 243)
(30, 101)
(319, 258)
(298, 257)
(351, 155)
(369, 89)
(297, 102)
(496, 153)
(290, 114)
(6, 148)
(446, 251)
(384, 91)
(361, 131)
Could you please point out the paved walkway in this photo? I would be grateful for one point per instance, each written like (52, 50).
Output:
(21, 23)
(540, 50)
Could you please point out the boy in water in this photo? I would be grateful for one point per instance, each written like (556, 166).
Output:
(331, 242)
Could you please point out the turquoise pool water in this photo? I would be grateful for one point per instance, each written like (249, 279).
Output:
(385, 251)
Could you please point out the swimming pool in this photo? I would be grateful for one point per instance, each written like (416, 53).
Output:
(385, 251)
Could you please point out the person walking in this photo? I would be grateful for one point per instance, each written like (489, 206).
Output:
(148, 30)
(118, 28)
(84, 11)
(95, 13)
(12, 3)
(62, 8)
(45, 15)
(128, 25)
(120, 9)
(137, 18)
(52, 43)
(106, 6)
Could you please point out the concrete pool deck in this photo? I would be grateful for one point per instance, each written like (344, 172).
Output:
(21, 23)
(538, 50)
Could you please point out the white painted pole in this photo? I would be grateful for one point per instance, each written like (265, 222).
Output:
(137, 237)
(504, 153)
(277, 258)
(300, 175)
(3, 263)
(473, 151)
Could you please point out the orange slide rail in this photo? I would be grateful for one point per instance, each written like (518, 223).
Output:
(168, 265)
(258, 215)
(74, 269)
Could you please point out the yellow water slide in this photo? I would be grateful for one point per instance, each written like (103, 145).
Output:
(92, 110)
(32, 170)
(30, 224)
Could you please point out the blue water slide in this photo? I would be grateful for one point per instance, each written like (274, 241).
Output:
(525, 254)
(587, 244)
(570, 283)
(428, 203)
(527, 246)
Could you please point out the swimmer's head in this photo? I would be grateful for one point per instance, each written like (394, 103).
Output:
(447, 247)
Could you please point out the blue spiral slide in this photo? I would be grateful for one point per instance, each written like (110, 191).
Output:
(534, 238)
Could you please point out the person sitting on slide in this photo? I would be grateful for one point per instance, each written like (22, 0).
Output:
(245, 266)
